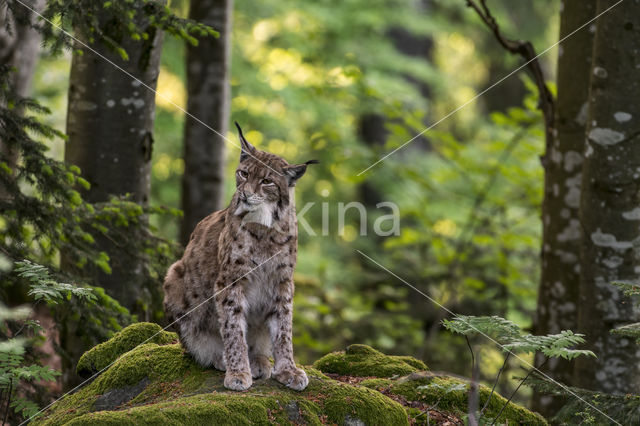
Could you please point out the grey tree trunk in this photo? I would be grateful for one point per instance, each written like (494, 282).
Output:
(19, 48)
(610, 200)
(110, 127)
(208, 91)
(560, 281)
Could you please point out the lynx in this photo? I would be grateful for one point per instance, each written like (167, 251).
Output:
(245, 256)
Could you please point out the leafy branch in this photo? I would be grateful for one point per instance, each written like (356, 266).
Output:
(511, 340)
(108, 22)
(43, 287)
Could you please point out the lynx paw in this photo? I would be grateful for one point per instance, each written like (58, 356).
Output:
(237, 380)
(294, 378)
(260, 367)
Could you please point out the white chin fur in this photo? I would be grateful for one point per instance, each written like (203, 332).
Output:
(256, 213)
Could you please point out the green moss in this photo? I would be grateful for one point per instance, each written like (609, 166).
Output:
(161, 384)
(346, 402)
(364, 361)
(125, 340)
(416, 363)
(158, 363)
(237, 409)
(452, 394)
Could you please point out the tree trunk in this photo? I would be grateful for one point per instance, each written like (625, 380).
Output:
(609, 212)
(208, 99)
(19, 48)
(110, 127)
(560, 280)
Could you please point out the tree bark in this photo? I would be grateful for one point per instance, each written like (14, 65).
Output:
(110, 128)
(560, 281)
(19, 48)
(208, 99)
(609, 212)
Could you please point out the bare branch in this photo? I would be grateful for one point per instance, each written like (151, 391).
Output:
(527, 52)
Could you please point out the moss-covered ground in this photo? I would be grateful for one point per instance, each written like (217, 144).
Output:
(158, 383)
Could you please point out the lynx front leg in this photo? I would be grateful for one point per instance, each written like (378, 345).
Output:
(285, 370)
(259, 340)
(230, 306)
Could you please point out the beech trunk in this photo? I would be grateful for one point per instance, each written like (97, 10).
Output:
(609, 212)
(208, 91)
(560, 279)
(110, 128)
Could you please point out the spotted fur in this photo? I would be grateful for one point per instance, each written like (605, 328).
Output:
(246, 254)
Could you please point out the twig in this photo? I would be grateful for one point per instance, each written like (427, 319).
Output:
(528, 53)
(474, 397)
(6, 413)
(473, 390)
(486, 404)
(516, 390)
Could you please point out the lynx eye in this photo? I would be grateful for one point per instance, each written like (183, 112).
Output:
(266, 181)
(243, 174)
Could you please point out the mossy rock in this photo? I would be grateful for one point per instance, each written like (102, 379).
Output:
(364, 361)
(161, 384)
(158, 383)
(451, 394)
(105, 353)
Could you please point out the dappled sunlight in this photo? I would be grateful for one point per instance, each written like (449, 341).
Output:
(171, 91)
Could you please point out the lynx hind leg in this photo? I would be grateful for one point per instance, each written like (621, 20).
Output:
(259, 340)
(173, 288)
(204, 346)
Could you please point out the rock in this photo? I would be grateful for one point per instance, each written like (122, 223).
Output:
(116, 397)
(450, 394)
(105, 353)
(158, 383)
(364, 361)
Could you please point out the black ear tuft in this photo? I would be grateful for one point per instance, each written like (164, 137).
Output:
(295, 171)
(245, 147)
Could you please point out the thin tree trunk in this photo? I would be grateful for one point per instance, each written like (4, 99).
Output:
(208, 99)
(560, 280)
(110, 128)
(20, 49)
(609, 211)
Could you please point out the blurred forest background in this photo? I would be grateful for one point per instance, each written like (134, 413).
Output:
(344, 82)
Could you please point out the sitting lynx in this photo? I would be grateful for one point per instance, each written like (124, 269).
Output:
(246, 253)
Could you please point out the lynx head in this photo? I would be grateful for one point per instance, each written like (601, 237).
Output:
(264, 183)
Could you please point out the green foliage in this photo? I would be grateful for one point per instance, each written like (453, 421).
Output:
(110, 22)
(41, 211)
(508, 335)
(43, 287)
(304, 75)
(18, 372)
(629, 288)
(432, 391)
(14, 375)
(623, 409)
(43, 214)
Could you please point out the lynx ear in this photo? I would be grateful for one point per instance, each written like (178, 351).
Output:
(295, 171)
(246, 149)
